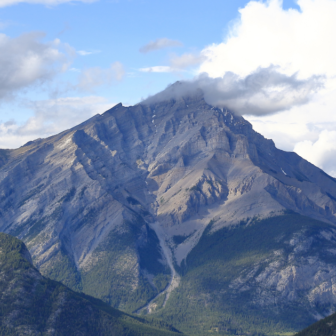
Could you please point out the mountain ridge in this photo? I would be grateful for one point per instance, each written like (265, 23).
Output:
(33, 305)
(124, 198)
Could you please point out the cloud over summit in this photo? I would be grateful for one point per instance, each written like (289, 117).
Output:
(265, 91)
(297, 41)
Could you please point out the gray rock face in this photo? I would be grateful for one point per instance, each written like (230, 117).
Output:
(300, 276)
(100, 205)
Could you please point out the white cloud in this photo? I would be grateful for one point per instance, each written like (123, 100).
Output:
(4, 3)
(74, 70)
(91, 78)
(186, 60)
(299, 42)
(266, 34)
(322, 152)
(158, 44)
(177, 63)
(159, 68)
(51, 117)
(87, 53)
(26, 61)
(265, 91)
(300, 123)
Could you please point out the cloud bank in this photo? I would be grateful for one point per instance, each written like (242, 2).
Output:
(266, 34)
(297, 41)
(158, 44)
(322, 152)
(266, 91)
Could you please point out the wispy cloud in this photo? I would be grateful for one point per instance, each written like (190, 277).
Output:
(5, 3)
(158, 44)
(51, 117)
(92, 78)
(86, 53)
(177, 63)
(186, 60)
(159, 68)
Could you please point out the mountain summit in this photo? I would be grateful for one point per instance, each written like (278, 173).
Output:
(177, 208)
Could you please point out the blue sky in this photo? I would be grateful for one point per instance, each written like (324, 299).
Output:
(116, 30)
(63, 61)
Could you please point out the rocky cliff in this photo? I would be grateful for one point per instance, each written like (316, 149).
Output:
(116, 206)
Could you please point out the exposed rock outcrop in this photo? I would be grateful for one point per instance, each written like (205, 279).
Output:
(90, 202)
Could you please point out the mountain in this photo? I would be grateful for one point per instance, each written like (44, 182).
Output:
(33, 305)
(177, 208)
(324, 327)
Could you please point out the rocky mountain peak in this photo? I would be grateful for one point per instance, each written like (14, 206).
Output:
(124, 198)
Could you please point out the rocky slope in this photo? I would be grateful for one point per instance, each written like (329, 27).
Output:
(33, 305)
(116, 206)
(271, 275)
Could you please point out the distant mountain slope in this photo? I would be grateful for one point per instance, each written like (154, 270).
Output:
(275, 274)
(33, 305)
(117, 206)
(324, 327)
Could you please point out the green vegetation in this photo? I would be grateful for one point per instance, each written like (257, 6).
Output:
(204, 303)
(179, 239)
(113, 278)
(324, 327)
(112, 274)
(159, 301)
(161, 281)
(88, 219)
(64, 270)
(32, 302)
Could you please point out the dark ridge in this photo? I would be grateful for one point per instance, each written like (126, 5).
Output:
(32, 302)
